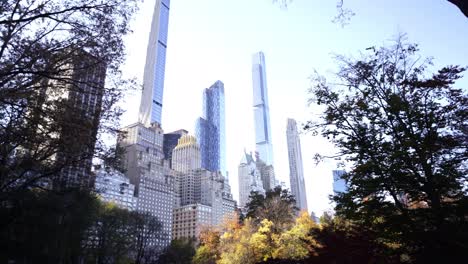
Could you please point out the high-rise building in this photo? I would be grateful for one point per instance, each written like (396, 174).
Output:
(296, 170)
(153, 79)
(267, 173)
(170, 141)
(112, 186)
(204, 202)
(76, 104)
(210, 129)
(186, 155)
(189, 220)
(339, 184)
(249, 179)
(261, 109)
(151, 175)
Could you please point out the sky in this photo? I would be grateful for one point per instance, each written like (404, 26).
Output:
(212, 40)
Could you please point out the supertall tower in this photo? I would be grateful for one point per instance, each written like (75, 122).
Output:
(153, 78)
(210, 129)
(296, 170)
(261, 109)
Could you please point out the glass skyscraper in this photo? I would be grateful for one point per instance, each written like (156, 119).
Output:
(210, 129)
(296, 169)
(261, 109)
(153, 79)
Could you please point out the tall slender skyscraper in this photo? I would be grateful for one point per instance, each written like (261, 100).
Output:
(153, 79)
(261, 109)
(296, 170)
(210, 129)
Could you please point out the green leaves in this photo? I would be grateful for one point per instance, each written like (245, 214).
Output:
(394, 126)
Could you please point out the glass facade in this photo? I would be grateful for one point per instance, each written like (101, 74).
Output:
(296, 171)
(211, 131)
(261, 109)
(208, 136)
(153, 80)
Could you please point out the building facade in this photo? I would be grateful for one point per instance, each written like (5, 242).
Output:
(249, 179)
(201, 191)
(186, 155)
(114, 187)
(267, 174)
(210, 129)
(170, 141)
(153, 78)
(261, 109)
(190, 219)
(296, 170)
(74, 99)
(150, 173)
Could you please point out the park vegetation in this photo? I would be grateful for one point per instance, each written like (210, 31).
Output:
(399, 126)
(401, 131)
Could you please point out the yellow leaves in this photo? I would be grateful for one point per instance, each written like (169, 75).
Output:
(248, 244)
(265, 226)
(261, 241)
(297, 242)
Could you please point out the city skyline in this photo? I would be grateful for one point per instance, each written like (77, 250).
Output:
(295, 46)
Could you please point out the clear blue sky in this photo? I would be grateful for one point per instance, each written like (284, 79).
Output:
(213, 40)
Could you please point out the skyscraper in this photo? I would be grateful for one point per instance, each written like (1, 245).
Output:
(113, 186)
(261, 109)
(76, 104)
(153, 79)
(186, 155)
(267, 173)
(296, 171)
(170, 141)
(210, 129)
(249, 179)
(151, 175)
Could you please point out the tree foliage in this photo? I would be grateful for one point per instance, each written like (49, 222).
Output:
(46, 227)
(249, 242)
(44, 45)
(404, 134)
(277, 205)
(180, 251)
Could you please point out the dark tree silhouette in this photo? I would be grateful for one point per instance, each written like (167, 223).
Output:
(404, 134)
(45, 47)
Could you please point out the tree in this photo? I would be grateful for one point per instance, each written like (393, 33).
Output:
(148, 229)
(46, 227)
(298, 242)
(235, 245)
(111, 236)
(337, 235)
(276, 205)
(44, 47)
(404, 134)
(180, 251)
(209, 239)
